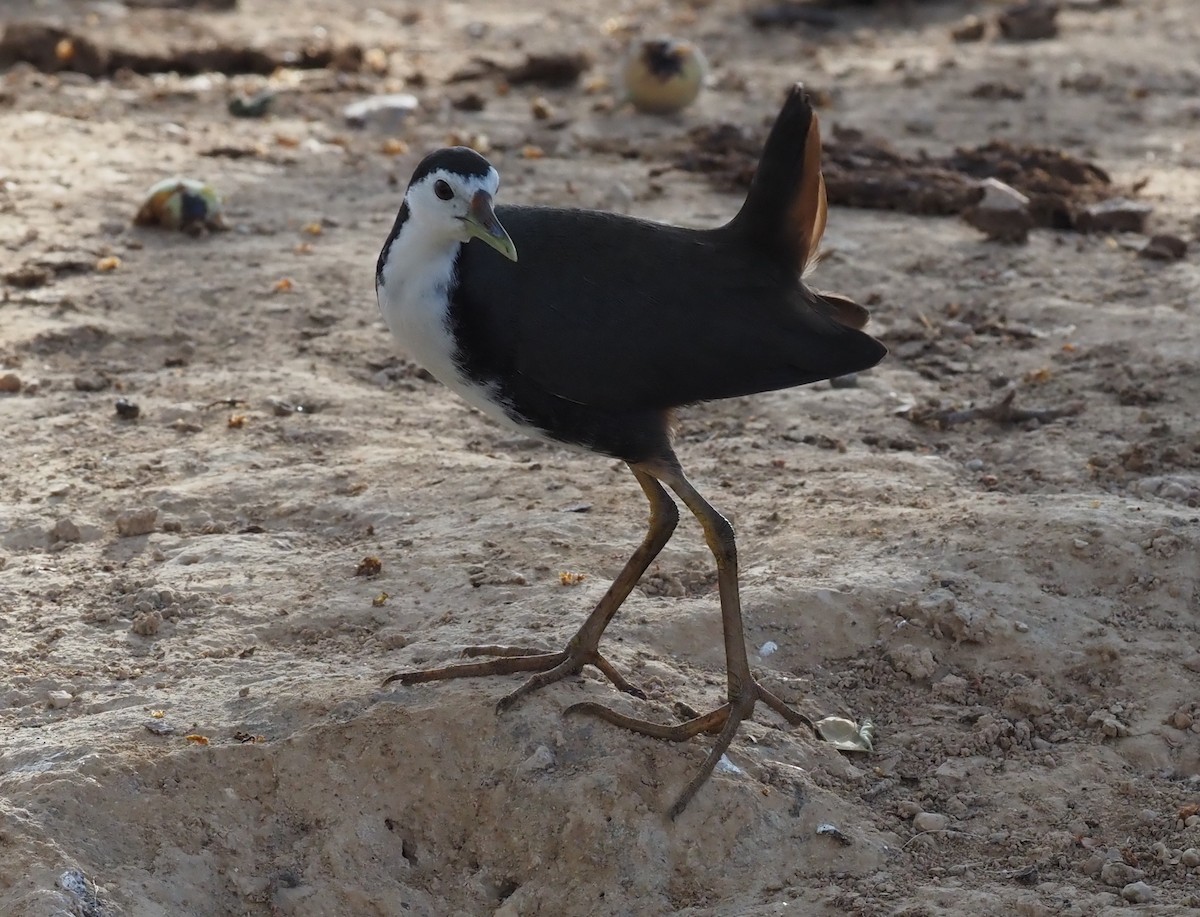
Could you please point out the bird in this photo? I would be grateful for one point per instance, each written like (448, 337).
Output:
(590, 329)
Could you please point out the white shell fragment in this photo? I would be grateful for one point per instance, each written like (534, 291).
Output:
(389, 111)
(847, 735)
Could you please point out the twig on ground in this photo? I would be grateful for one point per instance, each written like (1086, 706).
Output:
(1003, 411)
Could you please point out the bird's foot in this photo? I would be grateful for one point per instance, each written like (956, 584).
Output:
(509, 660)
(723, 722)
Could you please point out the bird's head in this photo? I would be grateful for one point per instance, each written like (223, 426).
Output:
(450, 196)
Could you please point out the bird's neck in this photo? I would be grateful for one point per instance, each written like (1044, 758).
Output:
(415, 261)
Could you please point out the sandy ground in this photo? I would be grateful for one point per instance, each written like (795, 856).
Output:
(1016, 605)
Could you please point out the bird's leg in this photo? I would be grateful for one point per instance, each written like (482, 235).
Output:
(743, 689)
(583, 648)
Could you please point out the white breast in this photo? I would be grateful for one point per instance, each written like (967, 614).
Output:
(414, 300)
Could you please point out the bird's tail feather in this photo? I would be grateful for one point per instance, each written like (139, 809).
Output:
(785, 208)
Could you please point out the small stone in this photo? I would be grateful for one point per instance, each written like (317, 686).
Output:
(56, 700)
(136, 521)
(1029, 21)
(952, 772)
(127, 410)
(542, 759)
(850, 380)
(90, 382)
(972, 28)
(770, 648)
(1163, 247)
(930, 821)
(1117, 214)
(1190, 857)
(1192, 821)
(1002, 214)
(1138, 893)
(147, 624)
(725, 766)
(66, 530)
(915, 662)
(1021, 627)
(1182, 719)
(10, 383)
(1192, 663)
(1118, 873)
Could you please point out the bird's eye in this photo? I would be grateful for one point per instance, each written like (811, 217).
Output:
(443, 190)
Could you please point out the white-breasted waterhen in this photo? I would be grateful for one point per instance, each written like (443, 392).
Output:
(605, 324)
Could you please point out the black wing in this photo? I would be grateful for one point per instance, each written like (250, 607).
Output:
(623, 314)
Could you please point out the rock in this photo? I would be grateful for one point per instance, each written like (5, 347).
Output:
(390, 111)
(147, 624)
(1029, 21)
(972, 28)
(136, 521)
(56, 700)
(126, 409)
(10, 383)
(770, 648)
(1190, 857)
(90, 382)
(1117, 214)
(952, 772)
(915, 662)
(1138, 893)
(542, 759)
(1118, 873)
(930, 821)
(1002, 214)
(65, 530)
(1164, 247)
(1181, 719)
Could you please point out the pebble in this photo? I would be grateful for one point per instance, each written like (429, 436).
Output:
(1163, 247)
(1138, 893)
(1192, 821)
(770, 648)
(90, 382)
(147, 624)
(1021, 627)
(974, 465)
(66, 530)
(972, 28)
(1117, 214)
(1029, 21)
(1190, 857)
(1116, 872)
(387, 110)
(930, 821)
(136, 521)
(542, 759)
(725, 766)
(56, 700)
(126, 409)
(1002, 214)
(10, 383)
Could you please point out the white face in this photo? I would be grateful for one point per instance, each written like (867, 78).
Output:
(440, 202)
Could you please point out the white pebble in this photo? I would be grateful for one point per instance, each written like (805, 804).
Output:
(768, 649)
(1138, 893)
(1190, 858)
(725, 766)
(930, 821)
(58, 699)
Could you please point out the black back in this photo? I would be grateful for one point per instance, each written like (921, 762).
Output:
(622, 314)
